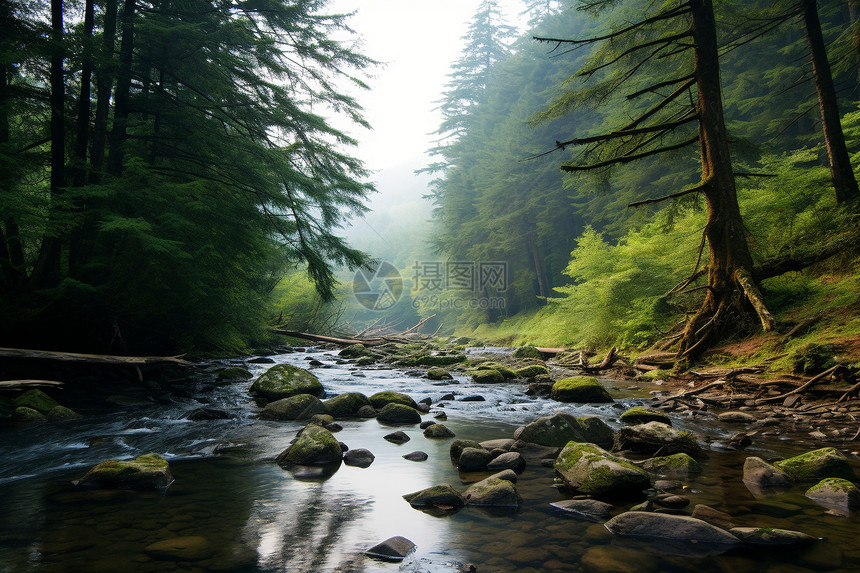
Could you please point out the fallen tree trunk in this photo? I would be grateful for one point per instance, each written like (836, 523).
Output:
(332, 339)
(90, 358)
(18, 384)
(610, 359)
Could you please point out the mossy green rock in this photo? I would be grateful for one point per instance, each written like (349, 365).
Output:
(437, 373)
(438, 495)
(531, 371)
(285, 380)
(298, 407)
(640, 415)
(380, 399)
(487, 377)
(817, 465)
(835, 492)
(669, 527)
(655, 437)
(398, 414)
(561, 428)
(679, 466)
(474, 460)
(346, 405)
(314, 446)
(506, 372)
(234, 373)
(492, 492)
(527, 352)
(62, 414)
(27, 415)
(438, 432)
(440, 359)
(581, 390)
(355, 351)
(149, 471)
(592, 470)
(457, 447)
(35, 400)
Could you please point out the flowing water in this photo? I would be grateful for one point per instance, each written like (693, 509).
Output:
(257, 517)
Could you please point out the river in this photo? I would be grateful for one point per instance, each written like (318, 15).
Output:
(256, 516)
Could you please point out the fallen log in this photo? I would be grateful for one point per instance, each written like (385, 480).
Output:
(332, 339)
(610, 359)
(90, 358)
(18, 384)
(804, 387)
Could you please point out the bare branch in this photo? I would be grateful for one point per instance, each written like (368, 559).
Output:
(629, 132)
(700, 187)
(657, 86)
(629, 158)
(660, 41)
(662, 103)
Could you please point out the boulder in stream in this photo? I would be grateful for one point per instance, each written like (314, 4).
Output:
(817, 465)
(668, 527)
(594, 471)
(581, 390)
(640, 415)
(678, 466)
(312, 447)
(149, 471)
(488, 376)
(285, 380)
(360, 458)
(760, 475)
(492, 492)
(35, 399)
(655, 437)
(437, 373)
(587, 509)
(561, 428)
(398, 414)
(346, 405)
(298, 407)
(835, 492)
(392, 549)
(443, 495)
(382, 399)
(438, 432)
(770, 536)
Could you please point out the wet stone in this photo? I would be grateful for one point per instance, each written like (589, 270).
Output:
(359, 458)
(416, 456)
(398, 437)
(392, 549)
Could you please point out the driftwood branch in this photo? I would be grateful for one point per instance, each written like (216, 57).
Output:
(610, 359)
(811, 382)
(90, 358)
(332, 339)
(18, 384)
(417, 325)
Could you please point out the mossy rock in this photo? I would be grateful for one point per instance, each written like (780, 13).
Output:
(62, 414)
(508, 373)
(437, 373)
(561, 428)
(531, 371)
(457, 447)
(813, 358)
(487, 377)
(592, 470)
(365, 361)
(149, 471)
(581, 390)
(355, 351)
(346, 405)
(817, 465)
(398, 414)
(440, 359)
(640, 415)
(381, 399)
(438, 495)
(835, 492)
(234, 373)
(654, 437)
(285, 380)
(298, 407)
(680, 466)
(474, 460)
(35, 400)
(313, 446)
(492, 492)
(438, 432)
(323, 420)
(25, 415)
(527, 352)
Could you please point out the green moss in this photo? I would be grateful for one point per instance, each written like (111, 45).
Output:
(27, 415)
(581, 389)
(355, 351)
(527, 352)
(640, 415)
(35, 400)
(234, 373)
(345, 405)
(143, 472)
(680, 465)
(314, 446)
(285, 380)
(817, 465)
(487, 377)
(380, 399)
(440, 359)
(531, 371)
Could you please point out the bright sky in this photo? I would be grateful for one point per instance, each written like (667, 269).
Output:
(418, 40)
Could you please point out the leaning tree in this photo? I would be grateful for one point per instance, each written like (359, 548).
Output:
(680, 37)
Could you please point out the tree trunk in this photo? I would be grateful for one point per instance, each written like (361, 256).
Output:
(844, 183)
(730, 259)
(537, 259)
(123, 87)
(104, 81)
(46, 272)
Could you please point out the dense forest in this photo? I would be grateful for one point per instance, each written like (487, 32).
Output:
(647, 173)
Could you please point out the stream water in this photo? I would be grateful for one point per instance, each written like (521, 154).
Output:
(258, 517)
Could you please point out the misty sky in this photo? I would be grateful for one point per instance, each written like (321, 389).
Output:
(418, 41)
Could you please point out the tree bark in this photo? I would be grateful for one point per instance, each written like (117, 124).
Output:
(729, 253)
(844, 183)
(123, 87)
(104, 81)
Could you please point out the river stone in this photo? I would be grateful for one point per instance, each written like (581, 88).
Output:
(285, 380)
(324, 420)
(581, 390)
(588, 509)
(835, 492)
(474, 460)
(398, 437)
(438, 431)
(382, 399)
(191, 548)
(507, 461)
(489, 376)
(500, 444)
(655, 437)
(346, 405)
(640, 415)
(397, 414)
(531, 371)
(737, 417)
(713, 516)
(492, 492)
(298, 407)
(437, 373)
(314, 446)
(666, 526)
(234, 373)
(366, 412)
(527, 352)
(416, 456)
(392, 549)
(561, 428)
(355, 351)
(817, 465)
(457, 447)
(62, 414)
(35, 399)
(149, 471)
(438, 495)
(770, 536)
(507, 475)
(360, 458)
(758, 475)
(589, 469)
(671, 501)
(678, 466)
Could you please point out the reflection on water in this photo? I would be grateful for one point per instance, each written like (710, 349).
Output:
(241, 512)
